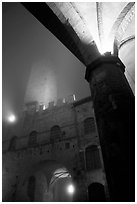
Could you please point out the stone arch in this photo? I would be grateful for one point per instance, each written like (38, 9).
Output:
(127, 40)
(59, 184)
(96, 192)
(43, 172)
(120, 25)
(100, 21)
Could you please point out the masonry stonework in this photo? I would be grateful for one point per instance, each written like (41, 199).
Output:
(59, 138)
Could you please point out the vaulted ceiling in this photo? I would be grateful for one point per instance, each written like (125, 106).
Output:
(90, 29)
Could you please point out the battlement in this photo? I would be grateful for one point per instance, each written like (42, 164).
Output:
(34, 106)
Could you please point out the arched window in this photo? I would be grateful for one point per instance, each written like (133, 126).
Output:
(93, 158)
(33, 138)
(31, 188)
(89, 125)
(12, 145)
(55, 133)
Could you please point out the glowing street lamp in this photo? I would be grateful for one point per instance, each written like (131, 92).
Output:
(12, 118)
(70, 189)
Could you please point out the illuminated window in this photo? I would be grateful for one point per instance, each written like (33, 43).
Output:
(12, 145)
(92, 158)
(33, 138)
(89, 125)
(55, 133)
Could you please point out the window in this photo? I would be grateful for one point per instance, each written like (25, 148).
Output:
(89, 125)
(55, 133)
(31, 188)
(12, 145)
(33, 138)
(92, 158)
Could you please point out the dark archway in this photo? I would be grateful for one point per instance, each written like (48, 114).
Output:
(96, 192)
(31, 188)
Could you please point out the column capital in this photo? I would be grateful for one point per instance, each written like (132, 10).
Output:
(103, 59)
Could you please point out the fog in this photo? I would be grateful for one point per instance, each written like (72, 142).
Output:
(38, 67)
(35, 65)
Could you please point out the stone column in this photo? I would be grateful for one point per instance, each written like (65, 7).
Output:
(114, 109)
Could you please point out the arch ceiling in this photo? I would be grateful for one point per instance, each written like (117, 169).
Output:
(91, 26)
(88, 29)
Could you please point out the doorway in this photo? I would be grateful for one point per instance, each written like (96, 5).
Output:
(96, 193)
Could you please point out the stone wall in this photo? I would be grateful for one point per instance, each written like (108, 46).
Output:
(68, 151)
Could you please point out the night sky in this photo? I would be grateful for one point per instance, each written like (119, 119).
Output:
(28, 47)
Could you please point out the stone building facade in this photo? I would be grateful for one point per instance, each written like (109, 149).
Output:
(59, 145)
